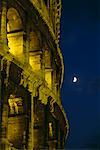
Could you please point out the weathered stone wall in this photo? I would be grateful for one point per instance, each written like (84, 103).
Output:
(31, 73)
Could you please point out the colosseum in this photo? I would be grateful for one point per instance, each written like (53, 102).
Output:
(31, 75)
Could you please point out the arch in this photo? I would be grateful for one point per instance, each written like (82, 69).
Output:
(34, 41)
(15, 34)
(14, 20)
(35, 49)
(15, 104)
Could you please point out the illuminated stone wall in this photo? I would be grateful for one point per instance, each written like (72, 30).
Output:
(31, 75)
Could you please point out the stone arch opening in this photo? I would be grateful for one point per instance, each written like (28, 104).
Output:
(15, 105)
(35, 50)
(15, 34)
(14, 21)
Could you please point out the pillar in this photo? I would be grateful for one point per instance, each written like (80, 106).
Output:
(4, 141)
(27, 41)
(43, 63)
(4, 22)
(31, 125)
(0, 97)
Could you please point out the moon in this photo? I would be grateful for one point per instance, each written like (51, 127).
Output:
(74, 79)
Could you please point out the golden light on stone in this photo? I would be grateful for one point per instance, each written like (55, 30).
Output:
(31, 76)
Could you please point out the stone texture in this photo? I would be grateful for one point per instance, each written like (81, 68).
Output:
(31, 66)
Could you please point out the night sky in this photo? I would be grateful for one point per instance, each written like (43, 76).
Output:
(80, 44)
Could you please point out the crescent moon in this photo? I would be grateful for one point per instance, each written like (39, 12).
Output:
(74, 79)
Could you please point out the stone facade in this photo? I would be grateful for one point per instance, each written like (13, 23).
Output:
(31, 75)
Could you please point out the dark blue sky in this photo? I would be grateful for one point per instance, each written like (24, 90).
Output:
(80, 44)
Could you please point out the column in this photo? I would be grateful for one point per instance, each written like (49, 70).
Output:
(4, 125)
(0, 20)
(30, 140)
(4, 22)
(0, 98)
(27, 41)
(43, 63)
